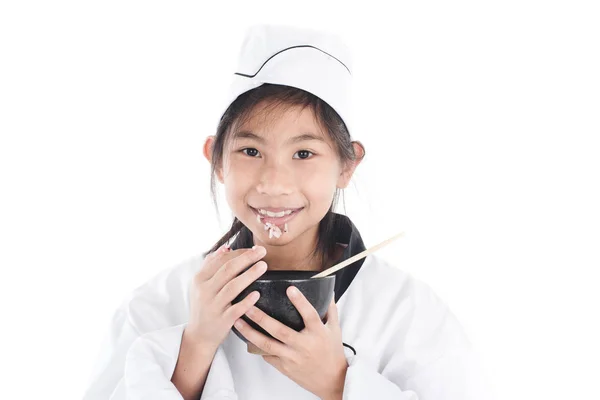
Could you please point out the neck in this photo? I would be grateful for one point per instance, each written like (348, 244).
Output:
(295, 255)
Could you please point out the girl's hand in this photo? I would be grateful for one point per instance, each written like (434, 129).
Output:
(213, 288)
(313, 358)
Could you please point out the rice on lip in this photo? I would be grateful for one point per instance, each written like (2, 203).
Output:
(274, 230)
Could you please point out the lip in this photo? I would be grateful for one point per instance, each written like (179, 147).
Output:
(277, 220)
(277, 209)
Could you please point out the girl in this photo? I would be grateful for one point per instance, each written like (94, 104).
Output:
(283, 151)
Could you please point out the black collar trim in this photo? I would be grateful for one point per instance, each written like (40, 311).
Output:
(345, 233)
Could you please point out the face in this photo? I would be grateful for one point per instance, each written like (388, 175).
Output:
(281, 159)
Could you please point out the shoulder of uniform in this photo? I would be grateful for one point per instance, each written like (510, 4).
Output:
(163, 299)
(385, 278)
(431, 322)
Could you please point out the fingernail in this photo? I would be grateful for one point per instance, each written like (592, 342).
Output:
(293, 291)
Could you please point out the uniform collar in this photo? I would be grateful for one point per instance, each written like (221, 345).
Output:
(346, 233)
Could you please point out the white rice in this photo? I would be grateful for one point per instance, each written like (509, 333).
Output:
(273, 229)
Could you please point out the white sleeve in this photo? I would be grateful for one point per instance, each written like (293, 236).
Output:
(134, 366)
(148, 366)
(151, 363)
(455, 375)
(364, 382)
(219, 381)
(149, 324)
(107, 374)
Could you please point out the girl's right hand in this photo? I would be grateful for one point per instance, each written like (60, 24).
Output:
(213, 288)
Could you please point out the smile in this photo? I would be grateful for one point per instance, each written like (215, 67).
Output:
(276, 218)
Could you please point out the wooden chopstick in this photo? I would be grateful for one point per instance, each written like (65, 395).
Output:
(360, 255)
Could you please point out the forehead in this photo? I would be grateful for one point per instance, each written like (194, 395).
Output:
(279, 122)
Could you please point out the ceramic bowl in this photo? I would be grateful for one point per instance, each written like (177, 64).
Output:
(274, 301)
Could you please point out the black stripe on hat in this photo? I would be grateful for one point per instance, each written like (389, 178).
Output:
(289, 48)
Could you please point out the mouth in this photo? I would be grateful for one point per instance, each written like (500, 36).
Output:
(279, 219)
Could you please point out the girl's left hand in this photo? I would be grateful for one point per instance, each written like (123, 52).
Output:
(314, 357)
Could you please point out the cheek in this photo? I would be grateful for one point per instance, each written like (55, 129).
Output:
(319, 182)
(319, 173)
(238, 182)
(236, 170)
(320, 197)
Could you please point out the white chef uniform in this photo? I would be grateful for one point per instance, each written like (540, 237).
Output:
(408, 343)
(402, 342)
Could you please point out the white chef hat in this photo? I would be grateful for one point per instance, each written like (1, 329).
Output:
(316, 61)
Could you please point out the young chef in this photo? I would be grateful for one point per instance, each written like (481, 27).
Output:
(283, 151)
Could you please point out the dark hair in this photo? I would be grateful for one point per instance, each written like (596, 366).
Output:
(275, 96)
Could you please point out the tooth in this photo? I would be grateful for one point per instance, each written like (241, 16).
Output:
(288, 212)
(270, 214)
(263, 212)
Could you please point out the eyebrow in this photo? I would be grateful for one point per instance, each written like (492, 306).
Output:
(296, 139)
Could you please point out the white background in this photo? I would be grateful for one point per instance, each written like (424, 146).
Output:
(481, 124)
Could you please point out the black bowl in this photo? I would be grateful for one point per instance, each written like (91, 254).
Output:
(274, 301)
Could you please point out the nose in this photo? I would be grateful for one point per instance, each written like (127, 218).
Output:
(275, 180)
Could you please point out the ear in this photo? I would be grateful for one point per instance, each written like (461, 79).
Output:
(350, 167)
(207, 151)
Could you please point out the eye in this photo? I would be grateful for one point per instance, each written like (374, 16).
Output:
(304, 154)
(251, 151)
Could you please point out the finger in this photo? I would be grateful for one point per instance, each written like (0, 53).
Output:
(265, 343)
(215, 260)
(235, 311)
(274, 361)
(307, 311)
(225, 247)
(233, 267)
(235, 286)
(333, 320)
(275, 328)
